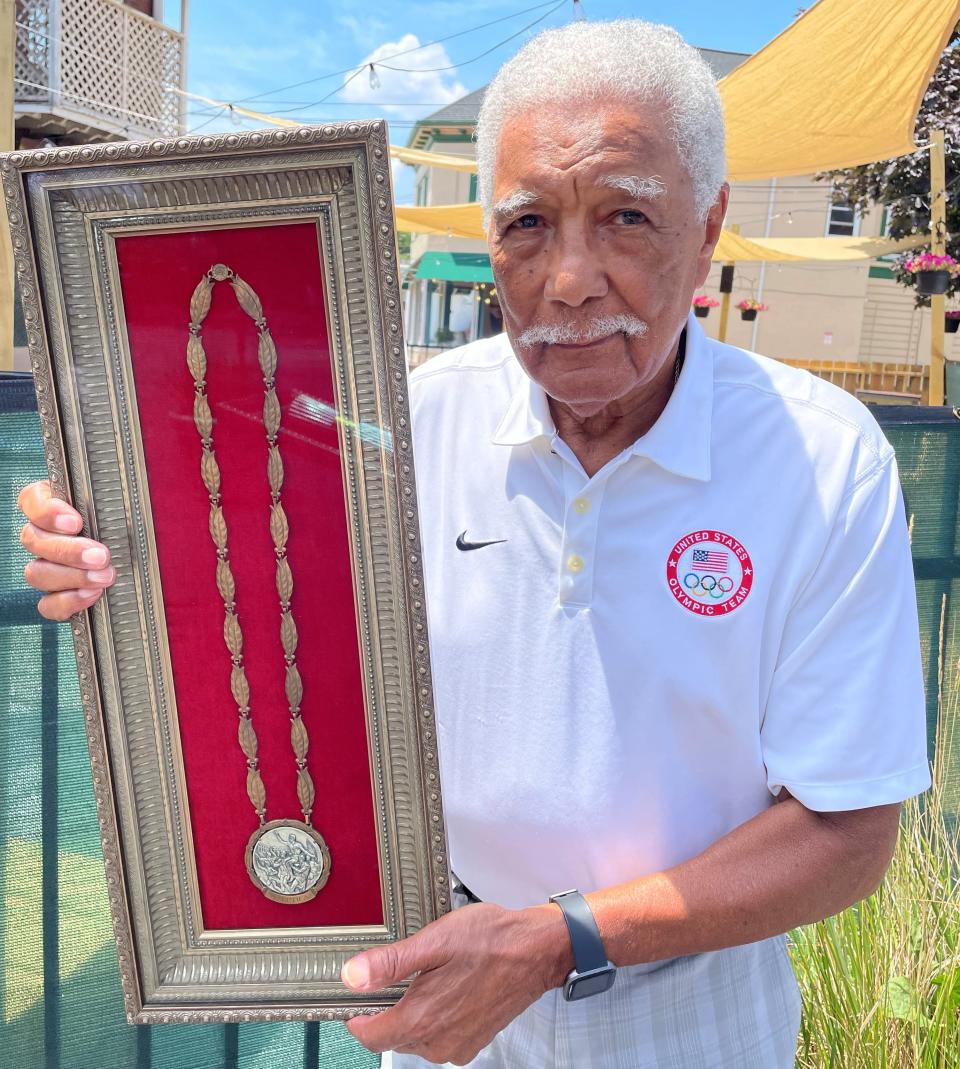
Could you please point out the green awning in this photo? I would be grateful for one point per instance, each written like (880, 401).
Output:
(455, 267)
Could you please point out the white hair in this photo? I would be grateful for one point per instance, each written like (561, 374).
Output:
(628, 59)
(636, 187)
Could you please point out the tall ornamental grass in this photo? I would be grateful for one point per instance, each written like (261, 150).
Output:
(881, 981)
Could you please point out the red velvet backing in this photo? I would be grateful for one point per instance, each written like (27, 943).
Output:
(282, 263)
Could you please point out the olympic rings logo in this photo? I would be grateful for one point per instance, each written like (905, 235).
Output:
(708, 586)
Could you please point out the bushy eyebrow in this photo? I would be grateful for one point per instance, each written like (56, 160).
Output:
(634, 186)
(513, 202)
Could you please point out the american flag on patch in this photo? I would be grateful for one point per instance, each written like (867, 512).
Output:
(710, 560)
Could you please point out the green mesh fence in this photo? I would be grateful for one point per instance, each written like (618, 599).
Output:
(60, 1000)
(927, 444)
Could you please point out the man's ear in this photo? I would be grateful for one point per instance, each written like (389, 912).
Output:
(713, 227)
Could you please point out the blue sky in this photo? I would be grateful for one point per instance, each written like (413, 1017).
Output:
(254, 53)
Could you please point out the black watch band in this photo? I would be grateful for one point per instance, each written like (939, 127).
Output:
(592, 972)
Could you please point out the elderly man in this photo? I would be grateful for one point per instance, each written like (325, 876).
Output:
(672, 609)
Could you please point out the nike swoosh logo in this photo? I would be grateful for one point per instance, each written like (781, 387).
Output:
(463, 544)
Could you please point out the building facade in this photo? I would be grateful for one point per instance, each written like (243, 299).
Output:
(817, 311)
(97, 70)
(94, 70)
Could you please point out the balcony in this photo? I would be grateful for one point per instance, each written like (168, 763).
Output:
(96, 70)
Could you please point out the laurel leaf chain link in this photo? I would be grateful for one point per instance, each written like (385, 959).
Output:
(279, 527)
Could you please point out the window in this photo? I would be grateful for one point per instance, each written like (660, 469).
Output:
(473, 188)
(843, 220)
(422, 190)
(890, 257)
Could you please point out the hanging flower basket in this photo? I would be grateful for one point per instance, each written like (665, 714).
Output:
(951, 321)
(702, 305)
(930, 283)
(932, 273)
(749, 308)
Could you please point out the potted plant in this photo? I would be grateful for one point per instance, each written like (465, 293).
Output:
(931, 273)
(749, 308)
(702, 305)
(952, 321)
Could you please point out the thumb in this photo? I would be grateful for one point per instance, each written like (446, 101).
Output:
(388, 965)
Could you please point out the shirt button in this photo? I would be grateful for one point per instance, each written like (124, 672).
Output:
(581, 505)
(574, 563)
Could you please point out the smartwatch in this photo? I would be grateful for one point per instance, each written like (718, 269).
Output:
(592, 974)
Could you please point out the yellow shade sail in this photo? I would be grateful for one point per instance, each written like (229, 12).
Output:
(466, 221)
(260, 116)
(444, 160)
(734, 248)
(840, 86)
(414, 156)
(454, 220)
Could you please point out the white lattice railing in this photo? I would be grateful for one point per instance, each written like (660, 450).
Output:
(100, 63)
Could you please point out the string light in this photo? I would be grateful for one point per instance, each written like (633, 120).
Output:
(407, 51)
(374, 78)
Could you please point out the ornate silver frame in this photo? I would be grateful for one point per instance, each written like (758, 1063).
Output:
(64, 207)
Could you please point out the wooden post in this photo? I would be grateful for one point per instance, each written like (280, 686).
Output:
(725, 297)
(938, 228)
(8, 43)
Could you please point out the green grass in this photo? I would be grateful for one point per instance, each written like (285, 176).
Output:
(881, 981)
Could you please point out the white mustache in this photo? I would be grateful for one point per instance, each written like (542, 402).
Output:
(594, 330)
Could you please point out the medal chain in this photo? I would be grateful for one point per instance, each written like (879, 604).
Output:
(279, 531)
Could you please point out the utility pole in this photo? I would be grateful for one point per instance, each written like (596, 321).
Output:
(938, 229)
(8, 44)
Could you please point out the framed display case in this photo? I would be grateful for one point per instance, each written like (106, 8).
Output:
(214, 328)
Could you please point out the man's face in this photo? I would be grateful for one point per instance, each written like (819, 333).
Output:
(594, 218)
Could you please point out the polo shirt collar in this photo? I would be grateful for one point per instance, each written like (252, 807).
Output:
(678, 442)
(527, 417)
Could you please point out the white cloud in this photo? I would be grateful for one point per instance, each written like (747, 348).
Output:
(409, 93)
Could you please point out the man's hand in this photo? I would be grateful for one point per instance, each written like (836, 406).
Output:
(73, 570)
(478, 968)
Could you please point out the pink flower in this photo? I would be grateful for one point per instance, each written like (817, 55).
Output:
(928, 261)
(750, 304)
(703, 301)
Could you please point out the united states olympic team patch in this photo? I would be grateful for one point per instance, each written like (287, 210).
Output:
(709, 573)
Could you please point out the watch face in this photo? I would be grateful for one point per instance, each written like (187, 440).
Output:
(591, 983)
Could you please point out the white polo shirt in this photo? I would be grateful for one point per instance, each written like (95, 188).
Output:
(637, 661)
